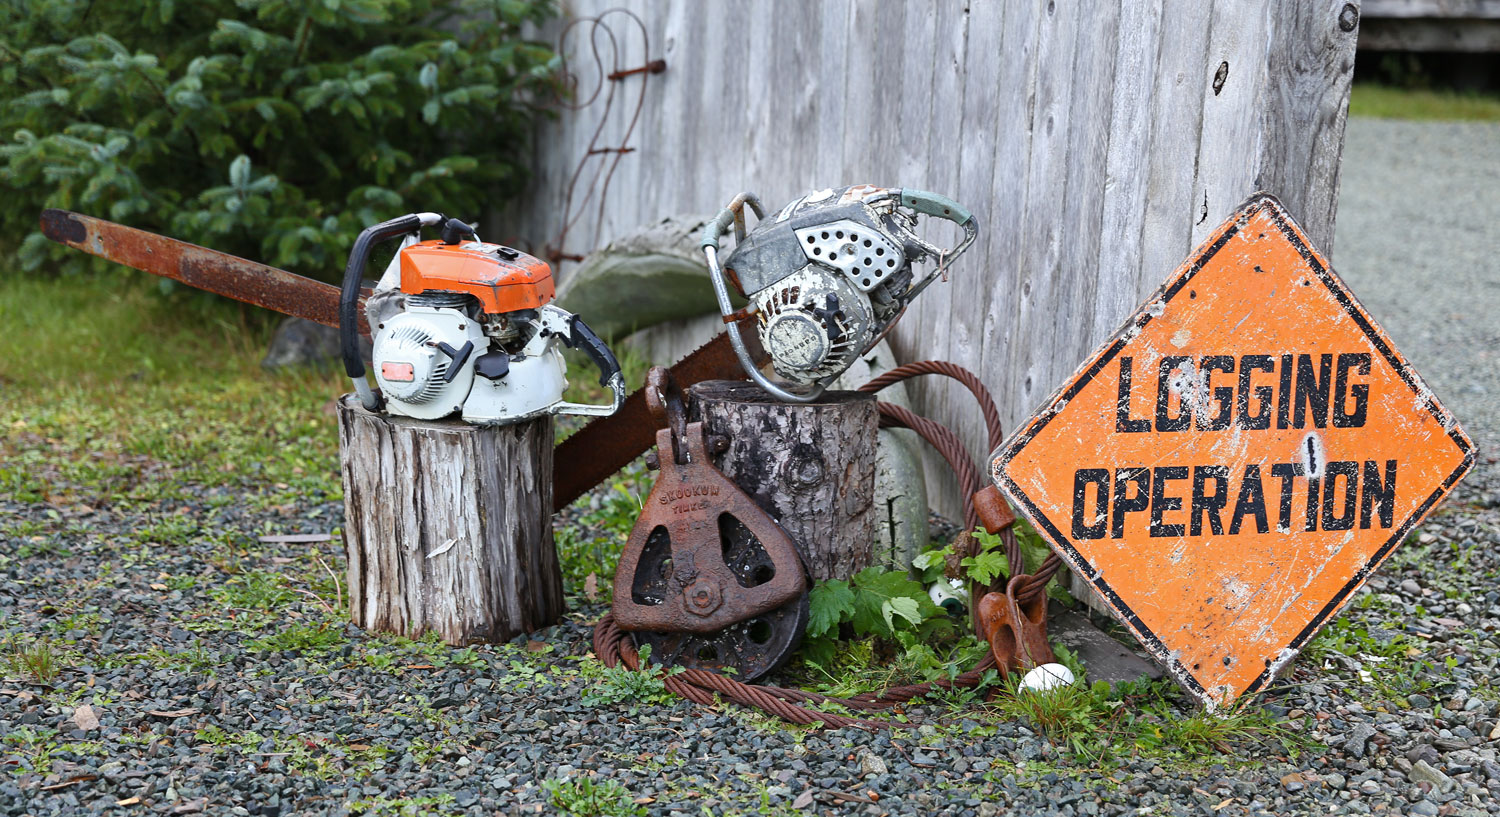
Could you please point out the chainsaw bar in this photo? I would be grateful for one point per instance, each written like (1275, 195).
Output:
(199, 267)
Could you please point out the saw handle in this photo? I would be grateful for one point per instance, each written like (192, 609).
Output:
(583, 336)
(354, 273)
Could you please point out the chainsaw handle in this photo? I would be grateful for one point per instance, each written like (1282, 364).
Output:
(595, 349)
(733, 214)
(354, 272)
(933, 204)
(937, 206)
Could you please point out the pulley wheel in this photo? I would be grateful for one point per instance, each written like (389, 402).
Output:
(749, 649)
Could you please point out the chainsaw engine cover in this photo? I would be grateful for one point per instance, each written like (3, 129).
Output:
(827, 274)
(500, 278)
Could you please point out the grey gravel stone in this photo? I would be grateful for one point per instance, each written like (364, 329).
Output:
(1422, 771)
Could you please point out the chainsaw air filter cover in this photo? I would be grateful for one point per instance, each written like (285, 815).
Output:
(413, 369)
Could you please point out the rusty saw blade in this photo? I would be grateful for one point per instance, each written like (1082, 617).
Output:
(608, 444)
(211, 270)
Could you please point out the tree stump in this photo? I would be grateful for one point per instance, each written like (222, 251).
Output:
(448, 526)
(810, 465)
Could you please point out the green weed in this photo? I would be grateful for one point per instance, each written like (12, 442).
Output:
(399, 806)
(35, 658)
(613, 686)
(587, 797)
(301, 638)
(257, 590)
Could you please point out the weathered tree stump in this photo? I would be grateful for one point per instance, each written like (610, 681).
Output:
(809, 465)
(448, 526)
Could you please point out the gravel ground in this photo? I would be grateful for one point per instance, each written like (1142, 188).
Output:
(221, 685)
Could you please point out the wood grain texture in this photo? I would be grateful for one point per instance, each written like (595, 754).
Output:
(411, 487)
(811, 466)
(1085, 137)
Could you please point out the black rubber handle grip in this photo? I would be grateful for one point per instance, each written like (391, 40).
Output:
(353, 273)
(595, 348)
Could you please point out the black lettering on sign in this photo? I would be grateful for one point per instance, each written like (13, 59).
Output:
(1342, 390)
(1312, 392)
(1223, 394)
(1124, 477)
(1164, 381)
(1261, 419)
(1252, 501)
(1161, 503)
(1373, 491)
(1350, 472)
(1284, 393)
(1208, 505)
(1123, 421)
(1082, 479)
(1287, 472)
(1337, 493)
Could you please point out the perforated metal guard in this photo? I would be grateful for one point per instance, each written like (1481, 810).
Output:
(864, 255)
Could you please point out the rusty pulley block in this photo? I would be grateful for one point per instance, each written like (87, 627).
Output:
(707, 578)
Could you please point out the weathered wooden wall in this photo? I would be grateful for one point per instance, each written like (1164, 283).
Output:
(1097, 142)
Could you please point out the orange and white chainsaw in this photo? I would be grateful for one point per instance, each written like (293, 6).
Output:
(464, 327)
(590, 455)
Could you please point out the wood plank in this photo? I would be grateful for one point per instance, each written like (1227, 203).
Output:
(1310, 67)
(1231, 81)
(828, 141)
(1176, 117)
(1088, 138)
(1127, 167)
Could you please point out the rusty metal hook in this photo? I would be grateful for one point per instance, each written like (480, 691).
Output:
(668, 408)
(1017, 632)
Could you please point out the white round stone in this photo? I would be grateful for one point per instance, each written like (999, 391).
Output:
(1047, 676)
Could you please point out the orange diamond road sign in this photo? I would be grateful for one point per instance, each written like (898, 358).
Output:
(1235, 462)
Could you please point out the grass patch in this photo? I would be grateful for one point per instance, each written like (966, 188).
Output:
(587, 797)
(1386, 102)
(301, 638)
(35, 658)
(1100, 726)
(116, 392)
(619, 685)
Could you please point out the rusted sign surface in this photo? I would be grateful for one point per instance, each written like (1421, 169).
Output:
(1234, 463)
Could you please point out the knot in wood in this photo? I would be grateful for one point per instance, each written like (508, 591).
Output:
(804, 469)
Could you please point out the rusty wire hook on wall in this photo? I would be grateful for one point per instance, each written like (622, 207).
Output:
(606, 80)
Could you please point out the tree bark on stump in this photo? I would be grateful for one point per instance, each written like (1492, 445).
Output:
(448, 526)
(810, 465)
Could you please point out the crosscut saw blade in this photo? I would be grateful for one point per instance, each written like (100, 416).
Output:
(582, 461)
(199, 267)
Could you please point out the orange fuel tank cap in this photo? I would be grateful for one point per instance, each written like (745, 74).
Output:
(503, 279)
